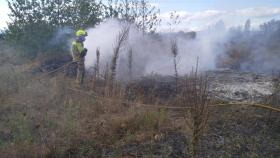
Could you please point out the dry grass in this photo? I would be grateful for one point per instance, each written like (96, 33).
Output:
(196, 99)
(97, 67)
(174, 51)
(49, 118)
(130, 61)
(274, 101)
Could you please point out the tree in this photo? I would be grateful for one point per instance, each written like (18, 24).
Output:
(139, 12)
(122, 9)
(29, 28)
(35, 22)
(84, 13)
(174, 20)
(112, 9)
(148, 17)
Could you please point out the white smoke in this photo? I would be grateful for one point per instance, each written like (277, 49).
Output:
(152, 53)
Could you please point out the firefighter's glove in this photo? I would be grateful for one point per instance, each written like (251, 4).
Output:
(84, 53)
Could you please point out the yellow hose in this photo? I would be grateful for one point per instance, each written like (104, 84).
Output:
(174, 107)
(247, 104)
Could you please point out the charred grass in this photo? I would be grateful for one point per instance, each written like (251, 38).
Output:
(51, 117)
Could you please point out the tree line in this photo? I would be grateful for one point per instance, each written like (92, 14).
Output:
(34, 23)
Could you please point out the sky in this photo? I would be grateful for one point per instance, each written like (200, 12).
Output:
(4, 10)
(201, 14)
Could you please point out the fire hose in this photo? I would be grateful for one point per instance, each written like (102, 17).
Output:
(56, 70)
(164, 107)
(174, 107)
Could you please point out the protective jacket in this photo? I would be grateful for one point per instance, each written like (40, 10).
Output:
(77, 49)
(79, 53)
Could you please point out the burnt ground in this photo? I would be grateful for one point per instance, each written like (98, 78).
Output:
(233, 131)
(230, 85)
(242, 132)
(224, 85)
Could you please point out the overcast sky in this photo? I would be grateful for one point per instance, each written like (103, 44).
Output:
(200, 14)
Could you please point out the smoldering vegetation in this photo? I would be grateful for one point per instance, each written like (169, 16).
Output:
(252, 50)
(240, 48)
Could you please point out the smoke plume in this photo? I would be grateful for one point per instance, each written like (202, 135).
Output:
(151, 53)
(236, 48)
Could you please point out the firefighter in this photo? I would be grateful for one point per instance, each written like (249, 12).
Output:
(79, 53)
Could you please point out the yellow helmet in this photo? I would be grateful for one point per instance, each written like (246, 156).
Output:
(81, 32)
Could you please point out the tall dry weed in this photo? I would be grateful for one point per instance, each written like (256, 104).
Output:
(196, 99)
(120, 41)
